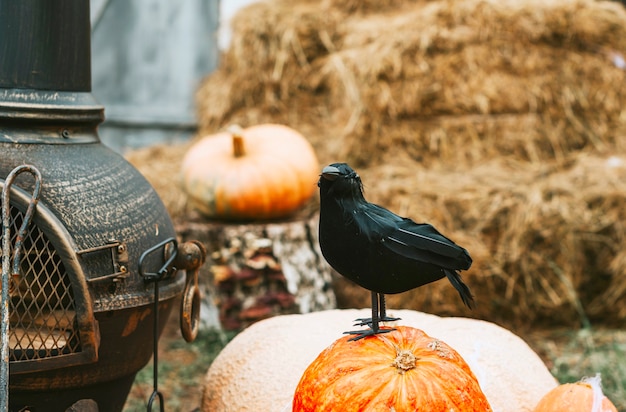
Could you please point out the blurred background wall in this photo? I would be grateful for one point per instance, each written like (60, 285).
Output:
(148, 57)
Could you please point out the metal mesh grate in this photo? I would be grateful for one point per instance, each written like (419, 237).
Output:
(42, 314)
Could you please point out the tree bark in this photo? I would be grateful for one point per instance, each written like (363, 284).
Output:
(258, 270)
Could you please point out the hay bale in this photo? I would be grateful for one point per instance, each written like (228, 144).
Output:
(272, 43)
(547, 240)
(532, 79)
(496, 121)
(160, 165)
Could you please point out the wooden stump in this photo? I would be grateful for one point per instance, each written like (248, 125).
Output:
(258, 270)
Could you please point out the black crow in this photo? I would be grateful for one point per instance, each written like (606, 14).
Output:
(379, 250)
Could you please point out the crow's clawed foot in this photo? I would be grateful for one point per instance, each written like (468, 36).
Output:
(368, 321)
(360, 334)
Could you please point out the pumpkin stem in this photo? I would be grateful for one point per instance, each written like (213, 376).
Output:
(238, 145)
(405, 360)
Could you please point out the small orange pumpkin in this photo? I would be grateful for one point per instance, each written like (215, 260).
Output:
(403, 370)
(583, 396)
(262, 172)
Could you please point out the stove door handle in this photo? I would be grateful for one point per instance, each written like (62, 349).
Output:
(190, 309)
(191, 256)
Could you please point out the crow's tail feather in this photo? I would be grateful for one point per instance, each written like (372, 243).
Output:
(461, 287)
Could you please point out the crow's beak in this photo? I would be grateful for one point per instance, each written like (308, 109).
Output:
(330, 173)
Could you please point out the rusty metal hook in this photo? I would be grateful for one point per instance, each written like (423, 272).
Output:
(6, 256)
(191, 255)
(190, 309)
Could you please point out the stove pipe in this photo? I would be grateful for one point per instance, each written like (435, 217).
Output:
(45, 72)
(46, 45)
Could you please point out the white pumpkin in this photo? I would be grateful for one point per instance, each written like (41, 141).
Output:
(261, 367)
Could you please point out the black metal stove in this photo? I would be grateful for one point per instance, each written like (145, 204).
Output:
(82, 302)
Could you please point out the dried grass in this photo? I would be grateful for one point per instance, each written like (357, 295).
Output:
(501, 122)
(547, 240)
(428, 77)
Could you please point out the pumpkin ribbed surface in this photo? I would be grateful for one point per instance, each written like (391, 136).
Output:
(262, 172)
(403, 370)
(584, 396)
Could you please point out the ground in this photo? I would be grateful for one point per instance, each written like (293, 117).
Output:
(182, 367)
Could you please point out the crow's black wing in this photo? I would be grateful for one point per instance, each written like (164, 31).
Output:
(424, 236)
(424, 243)
(421, 242)
(373, 221)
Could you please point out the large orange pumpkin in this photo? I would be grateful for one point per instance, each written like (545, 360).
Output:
(263, 172)
(403, 370)
(583, 396)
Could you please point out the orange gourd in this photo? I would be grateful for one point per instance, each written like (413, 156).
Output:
(403, 370)
(263, 172)
(583, 396)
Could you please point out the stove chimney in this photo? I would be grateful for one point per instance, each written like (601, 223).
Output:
(45, 45)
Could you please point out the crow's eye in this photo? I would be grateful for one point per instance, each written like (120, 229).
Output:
(352, 175)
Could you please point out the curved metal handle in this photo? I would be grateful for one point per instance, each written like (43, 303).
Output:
(156, 394)
(6, 252)
(156, 276)
(27, 216)
(191, 255)
(190, 309)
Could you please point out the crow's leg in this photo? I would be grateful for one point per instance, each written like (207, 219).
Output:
(373, 322)
(375, 315)
(382, 307)
(378, 300)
